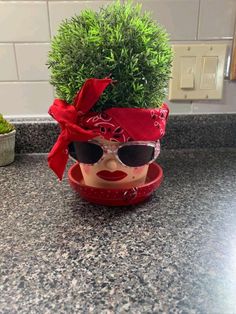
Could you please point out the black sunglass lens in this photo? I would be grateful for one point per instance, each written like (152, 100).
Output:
(88, 153)
(136, 155)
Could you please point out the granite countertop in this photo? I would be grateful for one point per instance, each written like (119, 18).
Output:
(175, 253)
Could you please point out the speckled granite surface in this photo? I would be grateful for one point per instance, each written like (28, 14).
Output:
(173, 254)
(183, 131)
(35, 136)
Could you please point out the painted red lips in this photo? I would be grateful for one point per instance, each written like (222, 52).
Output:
(111, 176)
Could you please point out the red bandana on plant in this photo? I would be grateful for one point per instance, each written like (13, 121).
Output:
(128, 124)
(78, 123)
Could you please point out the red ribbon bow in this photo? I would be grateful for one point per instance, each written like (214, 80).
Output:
(68, 116)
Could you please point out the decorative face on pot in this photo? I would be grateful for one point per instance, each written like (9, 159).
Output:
(124, 154)
(109, 164)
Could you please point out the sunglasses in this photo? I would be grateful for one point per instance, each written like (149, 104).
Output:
(131, 154)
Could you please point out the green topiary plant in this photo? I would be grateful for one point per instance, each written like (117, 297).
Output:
(5, 126)
(118, 40)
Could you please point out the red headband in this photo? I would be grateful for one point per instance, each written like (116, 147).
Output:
(116, 124)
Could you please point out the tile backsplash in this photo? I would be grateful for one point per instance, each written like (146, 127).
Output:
(26, 28)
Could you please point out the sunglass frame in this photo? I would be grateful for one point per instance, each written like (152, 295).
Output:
(107, 150)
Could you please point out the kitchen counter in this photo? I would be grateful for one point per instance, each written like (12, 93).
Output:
(175, 253)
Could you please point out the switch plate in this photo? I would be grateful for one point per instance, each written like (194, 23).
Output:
(197, 71)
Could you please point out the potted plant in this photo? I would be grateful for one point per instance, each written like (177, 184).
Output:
(7, 142)
(110, 70)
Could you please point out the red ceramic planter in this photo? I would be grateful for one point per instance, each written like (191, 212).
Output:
(116, 197)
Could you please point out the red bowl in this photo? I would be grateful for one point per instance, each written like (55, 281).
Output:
(116, 197)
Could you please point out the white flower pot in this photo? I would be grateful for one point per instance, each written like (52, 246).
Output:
(7, 148)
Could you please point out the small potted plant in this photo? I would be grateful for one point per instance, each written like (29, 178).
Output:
(110, 70)
(7, 142)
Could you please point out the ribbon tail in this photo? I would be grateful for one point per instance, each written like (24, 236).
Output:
(58, 156)
(90, 93)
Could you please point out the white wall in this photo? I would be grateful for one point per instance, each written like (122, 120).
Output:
(26, 28)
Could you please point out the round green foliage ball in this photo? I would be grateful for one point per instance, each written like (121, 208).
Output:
(119, 41)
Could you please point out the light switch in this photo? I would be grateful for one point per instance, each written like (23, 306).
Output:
(187, 80)
(187, 72)
(209, 72)
(197, 71)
